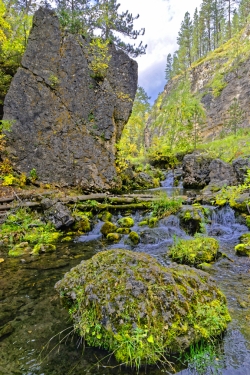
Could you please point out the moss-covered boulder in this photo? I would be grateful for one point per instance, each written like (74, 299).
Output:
(113, 237)
(243, 248)
(129, 304)
(123, 230)
(20, 249)
(194, 251)
(126, 222)
(134, 237)
(105, 216)
(107, 228)
(191, 218)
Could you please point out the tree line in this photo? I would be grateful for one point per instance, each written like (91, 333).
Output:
(215, 23)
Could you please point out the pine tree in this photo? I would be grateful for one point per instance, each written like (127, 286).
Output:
(169, 67)
(102, 18)
(244, 11)
(185, 42)
(196, 52)
(207, 15)
(230, 8)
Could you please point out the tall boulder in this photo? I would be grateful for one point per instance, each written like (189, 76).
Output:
(65, 122)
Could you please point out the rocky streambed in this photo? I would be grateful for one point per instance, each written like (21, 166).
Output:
(38, 337)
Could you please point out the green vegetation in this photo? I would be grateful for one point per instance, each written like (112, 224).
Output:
(165, 206)
(201, 356)
(118, 300)
(134, 237)
(126, 222)
(243, 248)
(92, 17)
(228, 148)
(24, 226)
(234, 195)
(194, 251)
(99, 55)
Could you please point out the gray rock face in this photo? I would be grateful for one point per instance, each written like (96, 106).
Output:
(240, 166)
(65, 122)
(196, 171)
(200, 171)
(57, 213)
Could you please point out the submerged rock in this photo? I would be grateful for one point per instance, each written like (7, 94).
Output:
(65, 122)
(139, 310)
(57, 213)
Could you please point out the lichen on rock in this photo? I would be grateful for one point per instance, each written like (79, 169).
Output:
(139, 310)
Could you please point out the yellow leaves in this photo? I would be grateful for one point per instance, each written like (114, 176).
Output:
(150, 339)
(99, 57)
(4, 26)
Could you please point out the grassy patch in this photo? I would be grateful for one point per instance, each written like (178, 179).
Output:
(194, 251)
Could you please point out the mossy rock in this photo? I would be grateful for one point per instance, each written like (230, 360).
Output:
(143, 223)
(153, 222)
(20, 249)
(113, 237)
(134, 237)
(123, 230)
(82, 224)
(245, 238)
(129, 304)
(243, 249)
(43, 248)
(195, 251)
(248, 221)
(107, 228)
(191, 218)
(126, 222)
(105, 216)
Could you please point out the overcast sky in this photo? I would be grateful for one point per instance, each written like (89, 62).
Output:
(161, 19)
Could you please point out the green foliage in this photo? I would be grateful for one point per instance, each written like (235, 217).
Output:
(99, 55)
(218, 84)
(177, 121)
(53, 80)
(194, 251)
(90, 18)
(228, 148)
(231, 194)
(132, 142)
(120, 309)
(165, 206)
(201, 356)
(235, 116)
(33, 175)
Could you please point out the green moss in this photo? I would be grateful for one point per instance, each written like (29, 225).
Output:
(134, 237)
(20, 249)
(152, 222)
(105, 216)
(126, 222)
(123, 230)
(248, 221)
(107, 228)
(129, 304)
(243, 249)
(142, 223)
(42, 248)
(195, 251)
(113, 237)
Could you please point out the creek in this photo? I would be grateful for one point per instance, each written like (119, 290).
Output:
(39, 337)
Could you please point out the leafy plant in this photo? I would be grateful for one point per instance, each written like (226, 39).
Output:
(99, 58)
(165, 206)
(33, 175)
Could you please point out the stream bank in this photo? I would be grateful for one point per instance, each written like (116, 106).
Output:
(33, 315)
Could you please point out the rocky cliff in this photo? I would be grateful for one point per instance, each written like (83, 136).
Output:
(65, 123)
(217, 79)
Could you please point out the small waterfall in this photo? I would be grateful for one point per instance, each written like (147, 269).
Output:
(224, 225)
(169, 181)
(223, 216)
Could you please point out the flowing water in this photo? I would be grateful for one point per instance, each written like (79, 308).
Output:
(39, 339)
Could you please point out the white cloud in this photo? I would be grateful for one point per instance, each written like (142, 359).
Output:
(161, 19)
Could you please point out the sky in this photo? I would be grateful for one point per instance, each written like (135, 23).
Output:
(162, 20)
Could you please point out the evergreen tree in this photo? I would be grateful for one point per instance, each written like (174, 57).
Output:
(207, 15)
(244, 11)
(230, 8)
(196, 51)
(102, 18)
(185, 42)
(169, 67)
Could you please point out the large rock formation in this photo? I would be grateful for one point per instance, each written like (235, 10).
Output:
(65, 123)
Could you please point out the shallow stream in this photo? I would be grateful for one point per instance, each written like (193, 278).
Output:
(39, 338)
